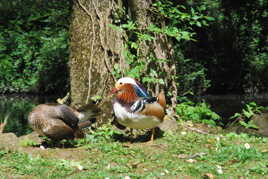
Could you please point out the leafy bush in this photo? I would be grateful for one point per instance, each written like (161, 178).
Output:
(104, 133)
(234, 46)
(17, 110)
(247, 112)
(199, 112)
(33, 46)
(176, 22)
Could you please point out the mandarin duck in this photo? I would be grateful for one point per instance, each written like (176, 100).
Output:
(59, 121)
(134, 108)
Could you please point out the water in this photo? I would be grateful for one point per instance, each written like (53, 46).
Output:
(18, 108)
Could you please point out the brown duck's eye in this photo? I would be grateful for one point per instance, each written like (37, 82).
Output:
(120, 83)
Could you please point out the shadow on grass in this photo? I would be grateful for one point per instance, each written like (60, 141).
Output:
(141, 138)
(48, 143)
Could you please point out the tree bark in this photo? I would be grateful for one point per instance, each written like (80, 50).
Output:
(94, 49)
(160, 48)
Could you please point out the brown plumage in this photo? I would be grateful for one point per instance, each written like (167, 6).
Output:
(57, 121)
(153, 109)
(125, 93)
(161, 99)
(135, 111)
(134, 107)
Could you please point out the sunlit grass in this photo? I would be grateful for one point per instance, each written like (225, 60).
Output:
(185, 153)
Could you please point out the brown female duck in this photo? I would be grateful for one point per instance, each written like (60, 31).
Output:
(59, 121)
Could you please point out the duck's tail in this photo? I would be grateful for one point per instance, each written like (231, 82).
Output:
(161, 99)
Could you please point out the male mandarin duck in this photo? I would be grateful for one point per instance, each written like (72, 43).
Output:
(134, 108)
(59, 121)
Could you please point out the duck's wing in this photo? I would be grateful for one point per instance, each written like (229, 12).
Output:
(153, 109)
(140, 104)
(148, 106)
(140, 90)
(57, 130)
(68, 116)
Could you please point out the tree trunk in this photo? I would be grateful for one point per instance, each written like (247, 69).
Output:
(160, 48)
(94, 49)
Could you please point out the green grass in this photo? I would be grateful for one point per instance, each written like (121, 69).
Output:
(168, 156)
(19, 164)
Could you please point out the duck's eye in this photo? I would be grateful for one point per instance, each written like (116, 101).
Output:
(120, 83)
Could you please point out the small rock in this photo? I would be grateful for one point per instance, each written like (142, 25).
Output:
(9, 141)
(42, 147)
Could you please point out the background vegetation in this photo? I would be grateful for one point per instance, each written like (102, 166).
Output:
(218, 47)
(213, 41)
(34, 46)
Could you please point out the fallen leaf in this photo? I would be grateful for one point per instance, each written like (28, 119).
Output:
(197, 155)
(264, 151)
(183, 156)
(183, 133)
(191, 160)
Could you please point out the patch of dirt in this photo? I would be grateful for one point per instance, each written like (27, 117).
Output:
(200, 128)
(10, 142)
(76, 154)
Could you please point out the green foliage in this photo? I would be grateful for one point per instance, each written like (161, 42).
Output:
(238, 153)
(176, 22)
(101, 134)
(181, 19)
(252, 31)
(17, 110)
(199, 112)
(28, 143)
(249, 110)
(2, 153)
(171, 156)
(33, 46)
(234, 46)
(25, 165)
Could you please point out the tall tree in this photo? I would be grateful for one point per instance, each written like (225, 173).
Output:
(96, 48)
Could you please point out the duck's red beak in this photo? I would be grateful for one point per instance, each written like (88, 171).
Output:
(113, 91)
